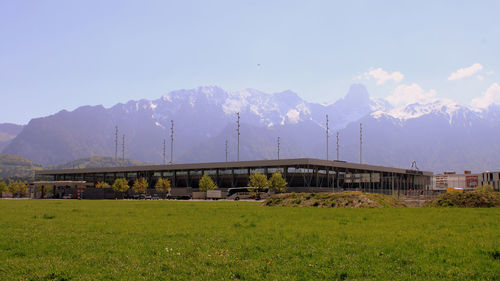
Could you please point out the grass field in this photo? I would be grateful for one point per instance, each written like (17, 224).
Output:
(131, 240)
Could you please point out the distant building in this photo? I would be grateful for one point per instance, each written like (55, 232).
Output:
(467, 180)
(491, 178)
(303, 174)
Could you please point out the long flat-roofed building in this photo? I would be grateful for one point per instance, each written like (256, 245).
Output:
(302, 174)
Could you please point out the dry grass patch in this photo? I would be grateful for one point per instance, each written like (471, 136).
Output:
(468, 199)
(348, 199)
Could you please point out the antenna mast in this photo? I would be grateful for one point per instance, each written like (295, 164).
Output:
(337, 145)
(238, 130)
(172, 142)
(226, 150)
(278, 148)
(164, 147)
(116, 143)
(327, 137)
(123, 149)
(360, 143)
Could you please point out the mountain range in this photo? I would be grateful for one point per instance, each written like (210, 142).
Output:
(440, 135)
(8, 132)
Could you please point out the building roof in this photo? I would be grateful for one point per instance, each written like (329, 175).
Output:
(236, 165)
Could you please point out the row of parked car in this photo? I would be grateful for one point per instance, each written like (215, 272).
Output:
(235, 194)
(146, 196)
(232, 194)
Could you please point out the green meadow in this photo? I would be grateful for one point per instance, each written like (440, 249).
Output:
(176, 240)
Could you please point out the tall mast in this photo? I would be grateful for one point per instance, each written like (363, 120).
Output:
(337, 145)
(238, 130)
(164, 148)
(226, 150)
(278, 148)
(360, 143)
(327, 137)
(172, 142)
(116, 143)
(123, 149)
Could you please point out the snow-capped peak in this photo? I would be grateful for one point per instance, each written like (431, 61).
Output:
(443, 106)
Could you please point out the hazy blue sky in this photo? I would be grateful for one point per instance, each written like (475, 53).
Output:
(62, 54)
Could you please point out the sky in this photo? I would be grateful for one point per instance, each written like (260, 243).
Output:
(57, 55)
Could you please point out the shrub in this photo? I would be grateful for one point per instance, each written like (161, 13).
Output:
(334, 200)
(485, 188)
(102, 184)
(470, 199)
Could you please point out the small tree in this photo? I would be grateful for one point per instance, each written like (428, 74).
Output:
(18, 187)
(3, 187)
(120, 185)
(206, 183)
(277, 182)
(140, 185)
(162, 185)
(258, 182)
(102, 184)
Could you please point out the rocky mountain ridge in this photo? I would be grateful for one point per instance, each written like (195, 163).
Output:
(440, 135)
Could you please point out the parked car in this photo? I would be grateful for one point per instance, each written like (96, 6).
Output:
(238, 193)
(145, 196)
(67, 196)
(155, 197)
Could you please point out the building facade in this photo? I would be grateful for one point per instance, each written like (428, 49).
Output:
(466, 181)
(303, 174)
(491, 178)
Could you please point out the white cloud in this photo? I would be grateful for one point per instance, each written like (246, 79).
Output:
(480, 77)
(409, 94)
(492, 95)
(383, 76)
(465, 72)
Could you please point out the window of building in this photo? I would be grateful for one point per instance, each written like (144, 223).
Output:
(240, 171)
(276, 170)
(258, 170)
(195, 173)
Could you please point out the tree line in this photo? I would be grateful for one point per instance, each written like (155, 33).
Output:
(14, 187)
(258, 181)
